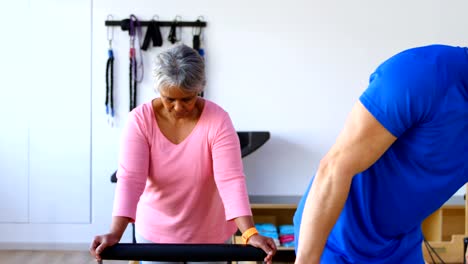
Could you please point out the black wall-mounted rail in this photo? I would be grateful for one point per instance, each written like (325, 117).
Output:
(197, 23)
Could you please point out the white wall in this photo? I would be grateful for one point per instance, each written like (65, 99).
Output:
(294, 69)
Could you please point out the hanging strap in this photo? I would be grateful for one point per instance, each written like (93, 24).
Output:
(196, 41)
(172, 37)
(153, 33)
(156, 36)
(147, 39)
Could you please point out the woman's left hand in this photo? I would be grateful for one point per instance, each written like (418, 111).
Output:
(266, 244)
(466, 255)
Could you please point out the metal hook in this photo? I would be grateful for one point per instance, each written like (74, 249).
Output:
(157, 19)
(110, 32)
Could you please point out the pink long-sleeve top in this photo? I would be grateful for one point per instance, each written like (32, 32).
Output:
(186, 192)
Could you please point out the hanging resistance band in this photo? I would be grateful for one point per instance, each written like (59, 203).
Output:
(132, 74)
(134, 78)
(110, 78)
(196, 42)
(132, 68)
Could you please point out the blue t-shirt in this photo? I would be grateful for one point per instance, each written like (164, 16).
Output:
(421, 97)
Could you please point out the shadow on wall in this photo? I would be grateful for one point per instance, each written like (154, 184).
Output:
(280, 167)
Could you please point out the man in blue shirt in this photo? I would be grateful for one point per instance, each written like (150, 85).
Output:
(402, 153)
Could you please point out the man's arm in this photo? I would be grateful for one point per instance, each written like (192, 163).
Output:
(360, 144)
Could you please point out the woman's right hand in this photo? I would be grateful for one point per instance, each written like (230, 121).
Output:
(265, 243)
(101, 242)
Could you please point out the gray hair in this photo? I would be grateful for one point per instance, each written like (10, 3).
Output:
(180, 66)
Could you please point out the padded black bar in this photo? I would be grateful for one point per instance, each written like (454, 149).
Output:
(183, 252)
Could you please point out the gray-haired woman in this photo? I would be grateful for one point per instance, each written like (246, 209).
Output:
(180, 175)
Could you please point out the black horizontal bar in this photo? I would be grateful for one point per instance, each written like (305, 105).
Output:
(183, 252)
(161, 23)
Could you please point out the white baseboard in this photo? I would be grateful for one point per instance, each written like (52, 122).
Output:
(45, 246)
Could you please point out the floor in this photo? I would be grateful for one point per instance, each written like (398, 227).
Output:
(50, 257)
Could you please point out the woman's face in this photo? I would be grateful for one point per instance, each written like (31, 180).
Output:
(178, 102)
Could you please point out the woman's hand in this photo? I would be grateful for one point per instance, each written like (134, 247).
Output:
(118, 226)
(266, 244)
(101, 242)
(466, 255)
